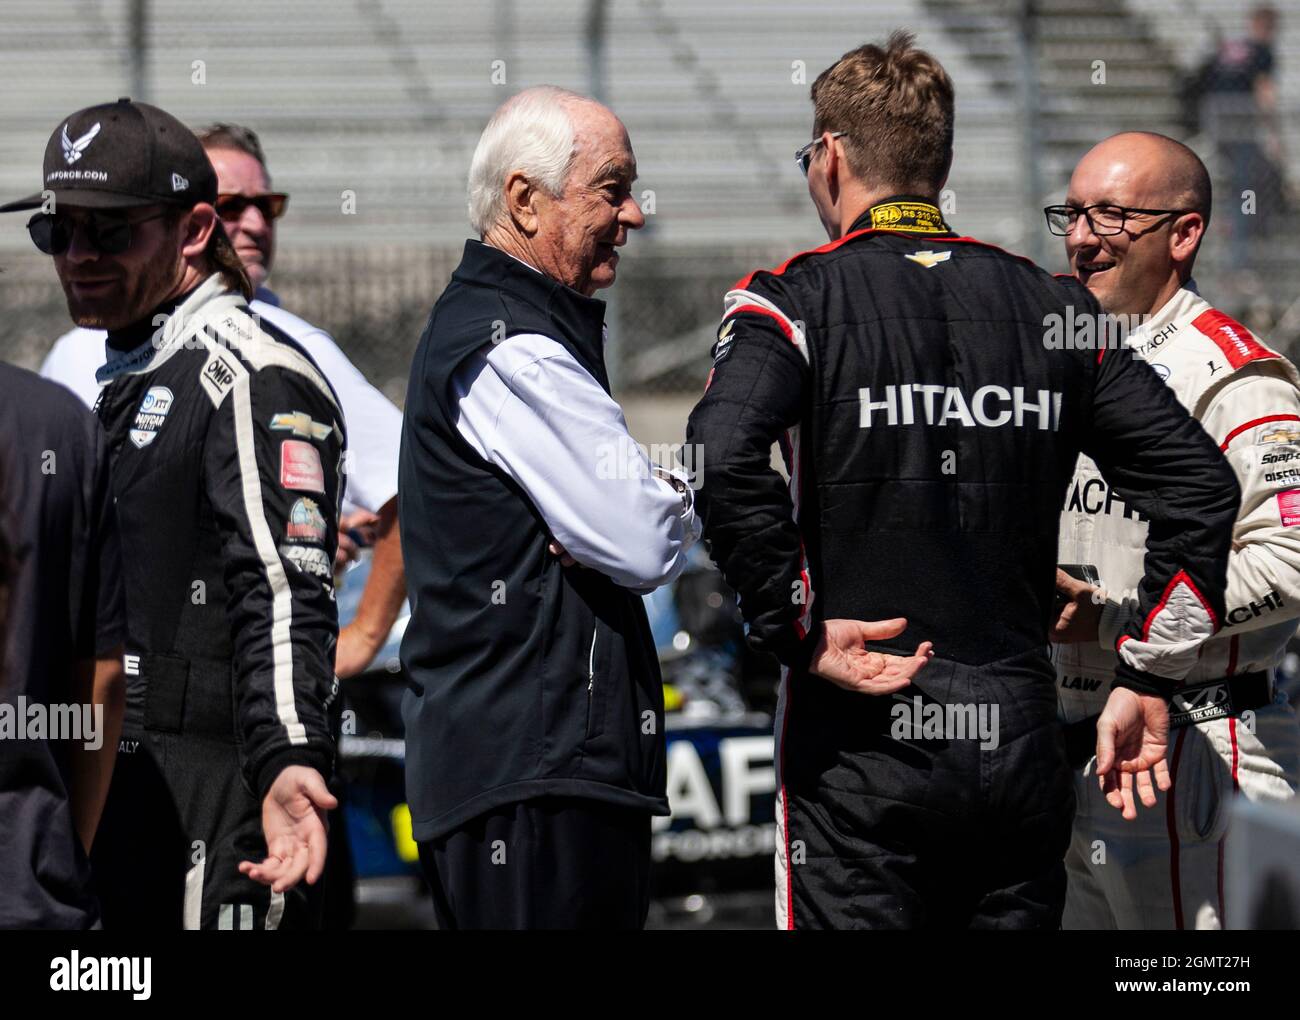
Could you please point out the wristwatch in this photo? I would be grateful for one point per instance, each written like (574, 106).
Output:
(679, 484)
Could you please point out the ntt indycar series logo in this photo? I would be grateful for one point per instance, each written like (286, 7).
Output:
(151, 415)
(936, 404)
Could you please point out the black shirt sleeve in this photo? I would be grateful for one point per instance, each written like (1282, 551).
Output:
(757, 391)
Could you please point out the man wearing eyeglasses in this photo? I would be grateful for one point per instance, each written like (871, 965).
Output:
(1133, 222)
(249, 209)
(929, 430)
(226, 446)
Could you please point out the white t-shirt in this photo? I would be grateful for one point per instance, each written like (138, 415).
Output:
(374, 424)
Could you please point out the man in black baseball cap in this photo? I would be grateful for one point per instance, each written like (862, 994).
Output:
(120, 177)
(226, 446)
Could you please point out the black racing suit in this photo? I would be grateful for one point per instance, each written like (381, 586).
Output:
(930, 421)
(227, 446)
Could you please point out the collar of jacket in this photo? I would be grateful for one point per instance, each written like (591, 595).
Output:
(1185, 304)
(580, 318)
(909, 214)
(154, 340)
(267, 296)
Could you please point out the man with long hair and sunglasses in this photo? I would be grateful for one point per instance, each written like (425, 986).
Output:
(249, 210)
(227, 445)
(1133, 222)
(929, 428)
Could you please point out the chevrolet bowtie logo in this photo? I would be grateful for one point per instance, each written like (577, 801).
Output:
(1281, 434)
(929, 259)
(301, 424)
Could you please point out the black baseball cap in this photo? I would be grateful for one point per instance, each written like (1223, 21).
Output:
(123, 154)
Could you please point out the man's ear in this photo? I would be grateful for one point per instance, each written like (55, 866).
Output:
(1185, 236)
(521, 202)
(197, 227)
(834, 160)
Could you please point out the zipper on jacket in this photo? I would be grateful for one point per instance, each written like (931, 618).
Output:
(591, 664)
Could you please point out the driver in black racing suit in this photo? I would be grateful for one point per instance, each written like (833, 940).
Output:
(227, 447)
(930, 421)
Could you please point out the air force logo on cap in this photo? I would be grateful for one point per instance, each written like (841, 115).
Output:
(72, 150)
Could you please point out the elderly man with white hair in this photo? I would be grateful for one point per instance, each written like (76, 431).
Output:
(531, 524)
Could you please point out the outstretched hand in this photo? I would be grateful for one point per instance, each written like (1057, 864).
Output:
(1132, 741)
(842, 657)
(293, 821)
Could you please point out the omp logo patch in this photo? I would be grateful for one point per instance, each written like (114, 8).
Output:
(217, 376)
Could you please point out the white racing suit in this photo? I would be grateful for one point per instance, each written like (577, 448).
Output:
(1166, 869)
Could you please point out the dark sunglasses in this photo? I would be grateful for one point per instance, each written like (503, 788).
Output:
(271, 205)
(107, 233)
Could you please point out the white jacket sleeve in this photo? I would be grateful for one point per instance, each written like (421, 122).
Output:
(1253, 420)
(528, 407)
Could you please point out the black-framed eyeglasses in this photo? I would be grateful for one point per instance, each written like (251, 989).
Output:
(271, 205)
(804, 154)
(1105, 220)
(107, 232)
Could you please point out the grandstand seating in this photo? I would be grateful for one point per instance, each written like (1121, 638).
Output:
(385, 99)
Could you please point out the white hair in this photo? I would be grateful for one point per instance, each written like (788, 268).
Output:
(531, 132)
